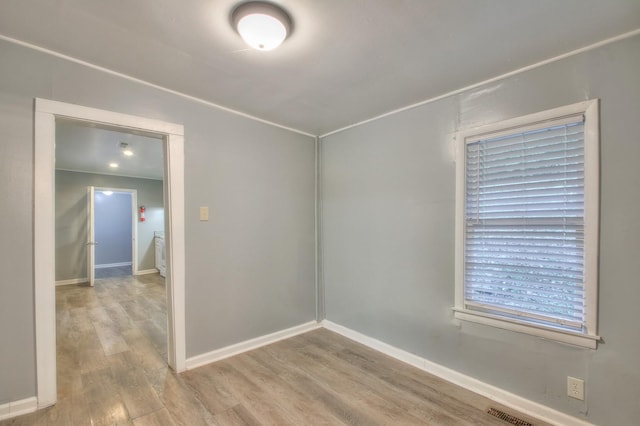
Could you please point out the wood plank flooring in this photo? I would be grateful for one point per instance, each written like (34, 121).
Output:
(112, 370)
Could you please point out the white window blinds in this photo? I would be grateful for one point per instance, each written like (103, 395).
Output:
(524, 223)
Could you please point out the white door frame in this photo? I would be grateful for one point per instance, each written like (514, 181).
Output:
(46, 112)
(133, 193)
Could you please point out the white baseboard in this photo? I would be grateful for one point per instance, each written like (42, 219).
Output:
(18, 408)
(238, 348)
(112, 265)
(498, 395)
(72, 281)
(147, 271)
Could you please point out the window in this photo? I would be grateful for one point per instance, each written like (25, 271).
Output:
(527, 224)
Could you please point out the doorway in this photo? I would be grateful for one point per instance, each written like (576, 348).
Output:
(46, 114)
(112, 220)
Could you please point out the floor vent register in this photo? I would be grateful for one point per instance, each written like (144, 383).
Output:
(508, 417)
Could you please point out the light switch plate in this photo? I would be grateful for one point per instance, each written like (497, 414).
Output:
(204, 213)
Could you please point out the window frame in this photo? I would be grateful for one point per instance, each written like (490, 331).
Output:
(589, 337)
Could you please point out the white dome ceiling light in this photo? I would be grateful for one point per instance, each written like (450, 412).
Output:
(262, 25)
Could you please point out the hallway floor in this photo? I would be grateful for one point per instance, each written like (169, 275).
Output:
(111, 352)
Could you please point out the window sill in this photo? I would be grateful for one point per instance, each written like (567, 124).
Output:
(564, 336)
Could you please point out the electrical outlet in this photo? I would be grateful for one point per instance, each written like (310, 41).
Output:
(575, 388)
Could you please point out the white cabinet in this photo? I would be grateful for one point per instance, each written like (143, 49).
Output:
(160, 256)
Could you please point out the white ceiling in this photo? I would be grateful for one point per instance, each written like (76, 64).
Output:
(83, 147)
(346, 61)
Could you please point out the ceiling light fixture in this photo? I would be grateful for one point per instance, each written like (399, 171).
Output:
(125, 149)
(113, 165)
(262, 25)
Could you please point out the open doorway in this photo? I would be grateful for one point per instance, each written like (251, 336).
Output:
(112, 219)
(48, 115)
(115, 162)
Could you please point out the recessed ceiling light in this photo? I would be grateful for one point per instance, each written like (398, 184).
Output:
(124, 146)
(113, 165)
(262, 25)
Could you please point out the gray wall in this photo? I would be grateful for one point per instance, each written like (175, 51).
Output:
(113, 228)
(71, 219)
(249, 269)
(388, 236)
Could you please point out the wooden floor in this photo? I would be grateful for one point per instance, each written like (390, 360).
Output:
(112, 369)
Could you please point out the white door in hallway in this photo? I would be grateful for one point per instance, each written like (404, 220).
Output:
(91, 243)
